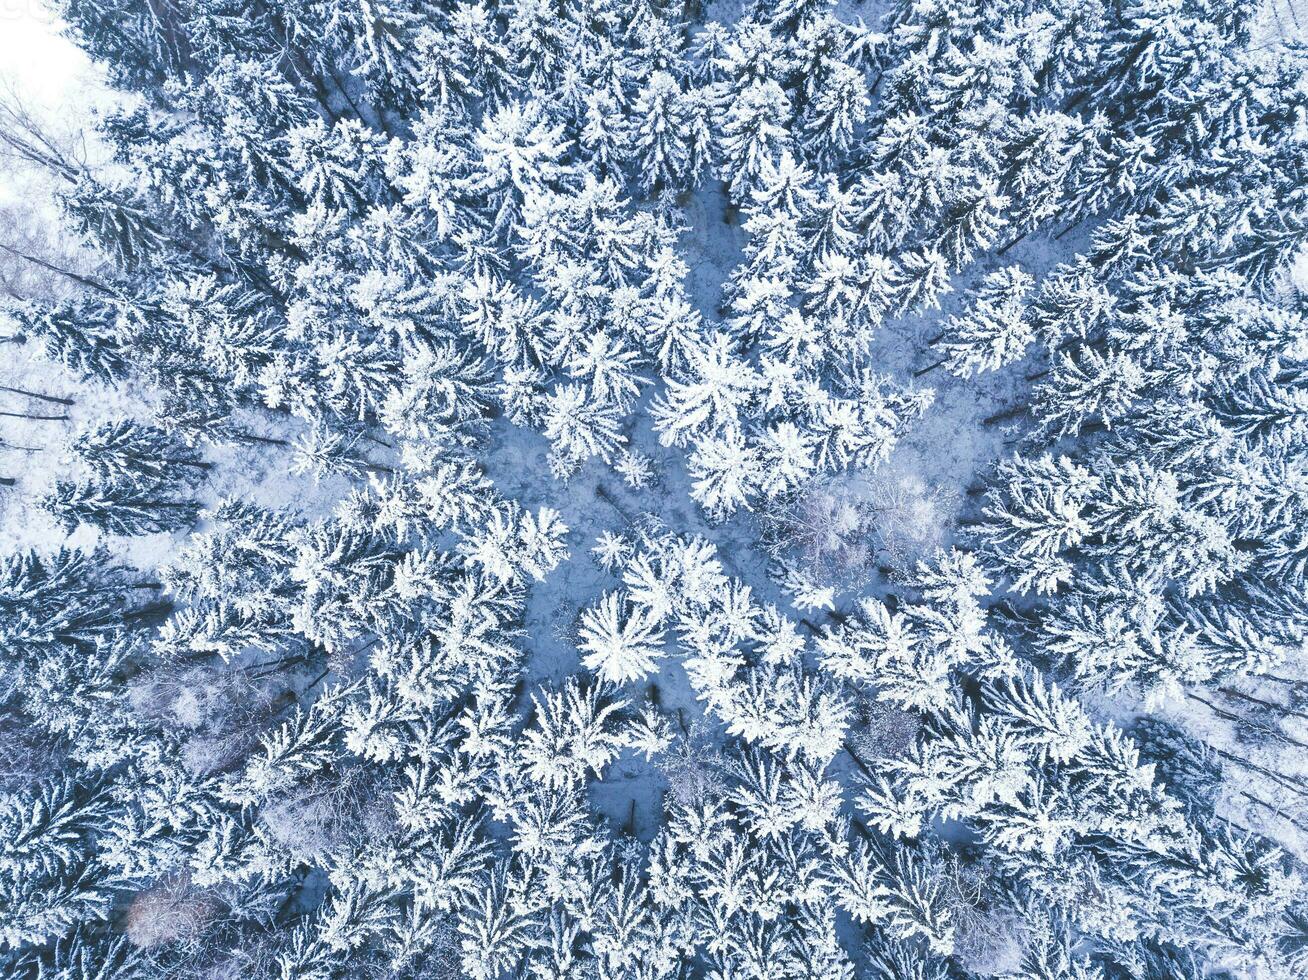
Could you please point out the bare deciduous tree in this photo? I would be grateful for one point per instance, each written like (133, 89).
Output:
(38, 259)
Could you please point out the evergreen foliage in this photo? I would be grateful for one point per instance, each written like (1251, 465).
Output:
(320, 740)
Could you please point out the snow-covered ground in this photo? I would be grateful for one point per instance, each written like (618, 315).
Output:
(1282, 20)
(45, 74)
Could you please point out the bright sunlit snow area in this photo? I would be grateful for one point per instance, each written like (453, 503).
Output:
(47, 67)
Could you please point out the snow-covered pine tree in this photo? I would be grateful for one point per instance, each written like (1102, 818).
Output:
(119, 506)
(994, 330)
(360, 217)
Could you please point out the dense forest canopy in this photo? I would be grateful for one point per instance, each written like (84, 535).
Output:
(662, 490)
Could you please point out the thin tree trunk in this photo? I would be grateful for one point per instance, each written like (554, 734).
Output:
(1288, 782)
(263, 440)
(259, 671)
(199, 656)
(857, 761)
(602, 492)
(31, 144)
(35, 418)
(1005, 415)
(1275, 733)
(86, 281)
(153, 609)
(930, 367)
(345, 94)
(315, 682)
(45, 398)
(1275, 809)
(1287, 681)
(1283, 709)
(1003, 249)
